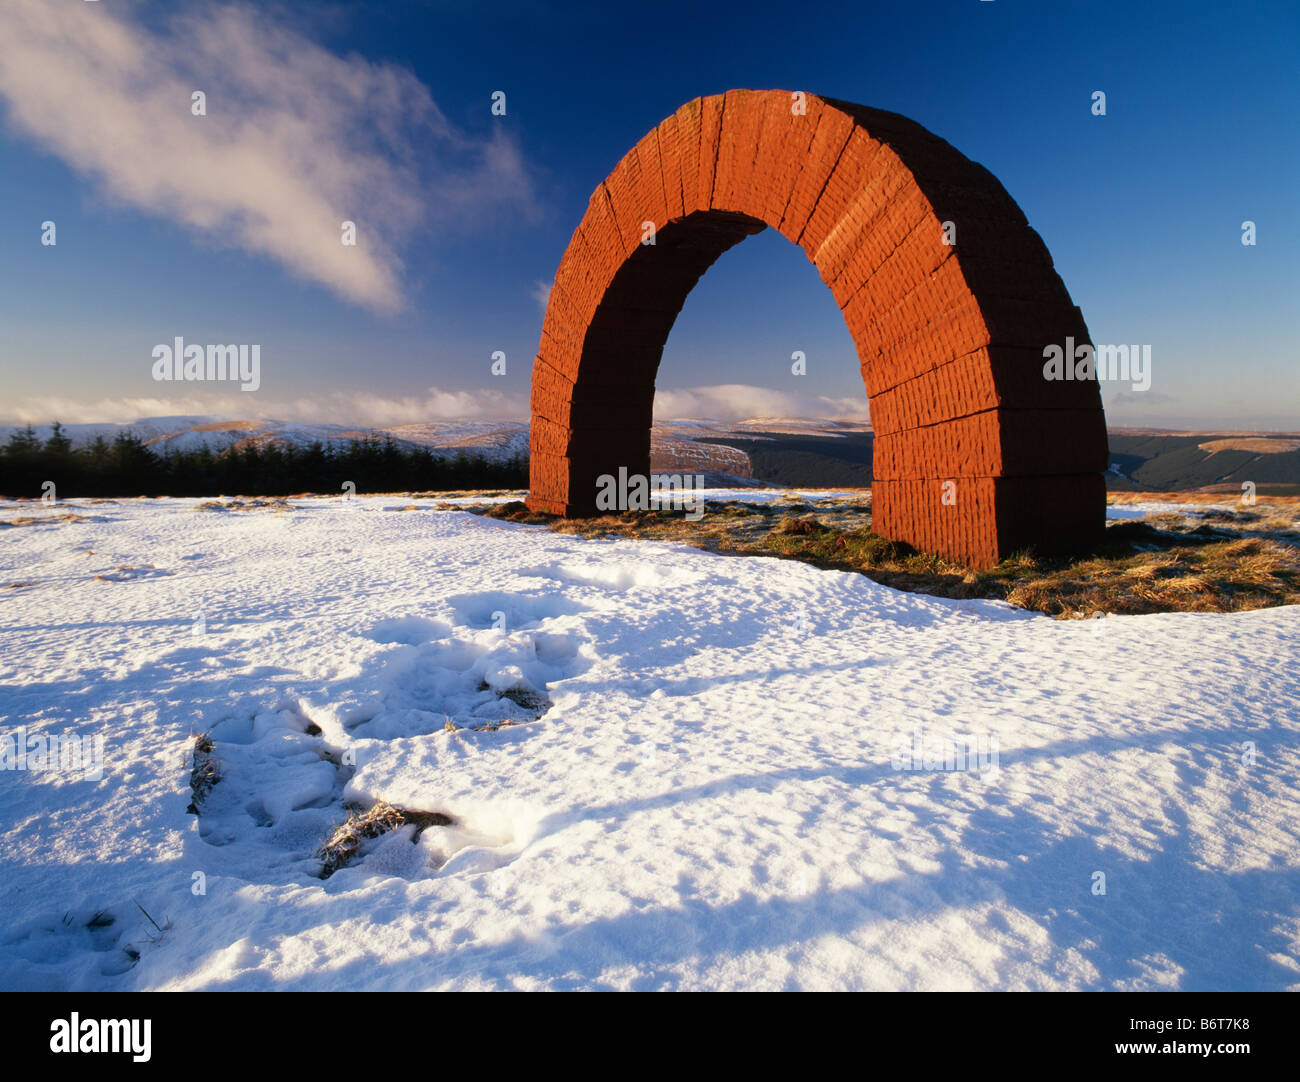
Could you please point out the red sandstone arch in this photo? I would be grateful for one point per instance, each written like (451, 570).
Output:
(950, 337)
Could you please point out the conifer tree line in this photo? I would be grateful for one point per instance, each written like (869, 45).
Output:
(125, 466)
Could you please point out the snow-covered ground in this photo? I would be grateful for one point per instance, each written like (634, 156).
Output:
(722, 794)
(1164, 507)
(705, 495)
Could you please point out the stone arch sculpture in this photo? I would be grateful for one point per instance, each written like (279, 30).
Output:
(976, 453)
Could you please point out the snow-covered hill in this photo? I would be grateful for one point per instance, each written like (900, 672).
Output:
(734, 784)
(490, 439)
(676, 445)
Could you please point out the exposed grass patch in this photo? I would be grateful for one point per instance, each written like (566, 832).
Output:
(525, 698)
(373, 822)
(247, 503)
(1214, 561)
(493, 726)
(535, 702)
(42, 520)
(205, 770)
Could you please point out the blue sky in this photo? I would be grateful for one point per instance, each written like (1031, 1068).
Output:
(173, 225)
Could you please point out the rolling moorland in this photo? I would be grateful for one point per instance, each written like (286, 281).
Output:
(782, 452)
(1202, 543)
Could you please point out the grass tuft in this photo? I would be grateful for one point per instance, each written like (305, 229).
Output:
(380, 818)
(205, 771)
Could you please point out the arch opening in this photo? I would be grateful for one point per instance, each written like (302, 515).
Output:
(976, 453)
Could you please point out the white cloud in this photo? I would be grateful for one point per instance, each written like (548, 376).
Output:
(725, 402)
(742, 401)
(542, 293)
(296, 140)
(340, 407)
(433, 405)
(43, 409)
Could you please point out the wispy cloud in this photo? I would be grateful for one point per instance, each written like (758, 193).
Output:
(725, 402)
(296, 139)
(432, 405)
(542, 293)
(340, 407)
(742, 401)
(43, 409)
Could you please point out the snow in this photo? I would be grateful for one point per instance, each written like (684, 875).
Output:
(707, 495)
(710, 801)
(770, 495)
(1158, 507)
(496, 440)
(493, 440)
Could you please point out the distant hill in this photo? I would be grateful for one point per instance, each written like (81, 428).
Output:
(494, 440)
(780, 458)
(1177, 462)
(784, 451)
(1143, 461)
